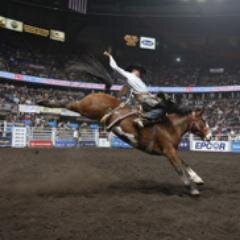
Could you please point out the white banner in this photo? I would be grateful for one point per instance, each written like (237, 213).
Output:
(212, 146)
(38, 109)
(2, 21)
(57, 35)
(14, 25)
(19, 137)
(148, 43)
(216, 70)
(29, 108)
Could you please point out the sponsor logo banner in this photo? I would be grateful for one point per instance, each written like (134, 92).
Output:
(40, 144)
(104, 142)
(29, 108)
(65, 143)
(235, 146)
(213, 146)
(98, 86)
(38, 109)
(184, 145)
(36, 30)
(57, 35)
(148, 43)
(131, 40)
(14, 25)
(118, 143)
(2, 22)
(87, 143)
(5, 142)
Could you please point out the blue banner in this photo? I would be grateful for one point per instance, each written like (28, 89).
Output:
(65, 143)
(98, 86)
(184, 145)
(235, 146)
(118, 143)
(5, 142)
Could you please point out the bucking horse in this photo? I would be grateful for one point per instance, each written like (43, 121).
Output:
(161, 138)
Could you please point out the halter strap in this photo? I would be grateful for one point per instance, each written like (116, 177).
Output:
(193, 120)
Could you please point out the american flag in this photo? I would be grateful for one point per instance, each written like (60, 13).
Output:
(78, 6)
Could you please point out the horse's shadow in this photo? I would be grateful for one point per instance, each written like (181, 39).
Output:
(148, 187)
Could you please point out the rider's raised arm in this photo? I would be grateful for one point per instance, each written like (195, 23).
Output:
(121, 71)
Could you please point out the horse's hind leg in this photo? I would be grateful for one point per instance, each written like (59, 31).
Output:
(177, 163)
(193, 175)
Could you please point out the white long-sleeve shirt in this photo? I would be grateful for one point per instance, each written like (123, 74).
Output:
(135, 82)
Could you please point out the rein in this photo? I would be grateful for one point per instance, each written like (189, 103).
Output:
(121, 118)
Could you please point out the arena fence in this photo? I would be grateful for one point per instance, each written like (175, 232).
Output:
(19, 136)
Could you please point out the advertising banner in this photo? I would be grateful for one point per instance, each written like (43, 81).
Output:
(118, 143)
(184, 145)
(131, 40)
(57, 35)
(65, 143)
(19, 137)
(235, 146)
(29, 108)
(104, 142)
(2, 21)
(212, 146)
(14, 25)
(37, 109)
(5, 142)
(87, 143)
(40, 144)
(36, 30)
(98, 86)
(148, 43)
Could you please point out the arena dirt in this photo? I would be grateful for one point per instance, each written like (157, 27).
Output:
(110, 194)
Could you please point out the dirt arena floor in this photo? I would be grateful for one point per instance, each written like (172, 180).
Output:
(109, 194)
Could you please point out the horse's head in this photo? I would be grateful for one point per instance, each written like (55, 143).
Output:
(198, 126)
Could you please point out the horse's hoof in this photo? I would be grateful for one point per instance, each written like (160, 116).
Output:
(200, 183)
(194, 193)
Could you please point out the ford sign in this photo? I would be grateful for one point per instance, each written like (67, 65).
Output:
(147, 43)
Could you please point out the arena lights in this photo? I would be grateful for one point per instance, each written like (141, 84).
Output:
(201, 1)
(178, 59)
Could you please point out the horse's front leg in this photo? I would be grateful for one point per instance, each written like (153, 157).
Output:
(177, 163)
(129, 136)
(193, 175)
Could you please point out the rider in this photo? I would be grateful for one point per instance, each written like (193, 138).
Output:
(155, 106)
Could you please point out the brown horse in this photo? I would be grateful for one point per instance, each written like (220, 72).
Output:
(161, 139)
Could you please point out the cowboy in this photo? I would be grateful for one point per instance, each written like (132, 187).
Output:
(154, 106)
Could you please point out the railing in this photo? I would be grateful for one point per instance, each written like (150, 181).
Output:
(15, 135)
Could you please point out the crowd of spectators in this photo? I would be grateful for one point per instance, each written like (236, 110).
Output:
(12, 95)
(183, 75)
(68, 66)
(223, 114)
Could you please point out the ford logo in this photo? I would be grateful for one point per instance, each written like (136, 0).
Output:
(147, 43)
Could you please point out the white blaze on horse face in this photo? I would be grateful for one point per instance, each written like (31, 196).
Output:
(208, 135)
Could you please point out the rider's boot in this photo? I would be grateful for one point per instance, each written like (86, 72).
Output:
(139, 122)
(149, 118)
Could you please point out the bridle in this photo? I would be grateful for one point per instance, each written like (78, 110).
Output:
(191, 124)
